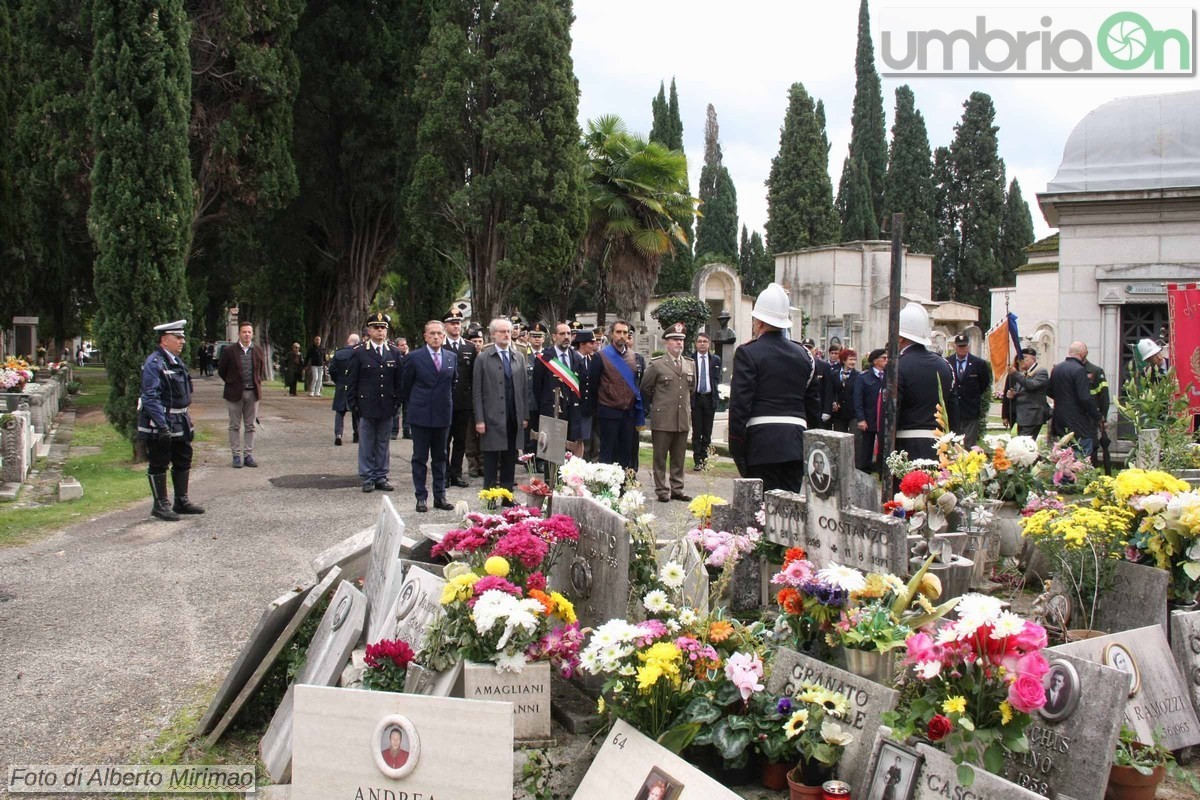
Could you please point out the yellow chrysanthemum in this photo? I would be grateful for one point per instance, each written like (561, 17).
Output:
(1136, 482)
(796, 723)
(702, 505)
(494, 494)
(1006, 713)
(648, 675)
(955, 705)
(496, 565)
(458, 588)
(564, 608)
(600, 706)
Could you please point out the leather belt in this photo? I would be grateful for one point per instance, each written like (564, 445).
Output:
(777, 421)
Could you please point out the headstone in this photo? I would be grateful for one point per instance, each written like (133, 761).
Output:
(926, 773)
(527, 690)
(271, 623)
(823, 521)
(1157, 699)
(452, 748)
(687, 555)
(594, 571)
(416, 606)
(630, 763)
(350, 555)
(868, 702)
(311, 601)
(383, 564)
(747, 586)
(336, 636)
(1071, 740)
(551, 440)
(1185, 644)
(1137, 598)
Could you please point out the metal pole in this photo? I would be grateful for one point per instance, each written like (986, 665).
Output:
(887, 436)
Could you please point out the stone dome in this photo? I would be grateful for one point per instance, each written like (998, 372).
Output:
(1134, 143)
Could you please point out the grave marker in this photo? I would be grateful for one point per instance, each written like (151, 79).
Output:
(383, 564)
(270, 624)
(824, 522)
(453, 748)
(937, 779)
(868, 702)
(1185, 644)
(748, 589)
(416, 606)
(1071, 741)
(1137, 598)
(629, 762)
(350, 555)
(1157, 698)
(594, 571)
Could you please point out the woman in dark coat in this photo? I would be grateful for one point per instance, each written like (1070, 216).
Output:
(292, 367)
(843, 391)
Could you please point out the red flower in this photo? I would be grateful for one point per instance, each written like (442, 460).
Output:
(914, 483)
(793, 554)
(395, 650)
(939, 728)
(536, 581)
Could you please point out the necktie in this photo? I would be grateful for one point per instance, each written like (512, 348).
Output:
(961, 366)
(703, 374)
(507, 365)
(437, 360)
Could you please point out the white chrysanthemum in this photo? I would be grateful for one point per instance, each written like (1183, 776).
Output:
(673, 624)
(951, 438)
(644, 519)
(975, 611)
(687, 616)
(925, 463)
(627, 670)
(928, 670)
(514, 662)
(589, 661)
(948, 634)
(847, 578)
(611, 655)
(656, 601)
(672, 574)
(1007, 624)
(1022, 451)
(615, 630)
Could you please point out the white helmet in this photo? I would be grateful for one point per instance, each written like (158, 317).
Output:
(773, 307)
(1147, 348)
(914, 323)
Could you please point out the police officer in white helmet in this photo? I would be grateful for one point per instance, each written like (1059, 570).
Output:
(920, 375)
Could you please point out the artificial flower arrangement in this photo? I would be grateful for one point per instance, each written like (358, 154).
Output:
(1168, 535)
(971, 685)
(536, 487)
(606, 483)
(811, 602)
(496, 605)
(926, 494)
(387, 663)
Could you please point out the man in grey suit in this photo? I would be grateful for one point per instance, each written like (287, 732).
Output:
(500, 398)
(1027, 394)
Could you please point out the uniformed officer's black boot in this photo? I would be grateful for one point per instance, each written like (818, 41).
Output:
(162, 506)
(179, 478)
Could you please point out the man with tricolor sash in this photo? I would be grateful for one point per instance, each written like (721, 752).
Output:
(558, 367)
(619, 410)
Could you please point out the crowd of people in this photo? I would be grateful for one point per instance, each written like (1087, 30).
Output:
(471, 401)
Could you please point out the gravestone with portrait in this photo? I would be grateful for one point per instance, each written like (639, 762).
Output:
(868, 702)
(1185, 644)
(335, 637)
(748, 587)
(824, 522)
(1136, 598)
(900, 772)
(551, 441)
(1071, 739)
(311, 600)
(593, 571)
(417, 605)
(350, 744)
(632, 766)
(1156, 697)
(271, 623)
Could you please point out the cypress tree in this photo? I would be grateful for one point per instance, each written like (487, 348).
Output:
(1016, 233)
(979, 197)
(800, 210)
(868, 138)
(908, 187)
(745, 266)
(679, 267)
(946, 253)
(142, 200)
(675, 140)
(660, 125)
(501, 192)
(12, 262)
(859, 217)
(762, 266)
(716, 229)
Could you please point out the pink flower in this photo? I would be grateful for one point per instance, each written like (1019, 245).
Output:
(795, 573)
(650, 630)
(521, 544)
(1033, 637)
(744, 671)
(558, 528)
(1026, 694)
(536, 581)
(1033, 664)
(921, 647)
(493, 582)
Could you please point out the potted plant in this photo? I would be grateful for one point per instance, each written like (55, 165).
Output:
(1137, 769)
(387, 662)
(813, 723)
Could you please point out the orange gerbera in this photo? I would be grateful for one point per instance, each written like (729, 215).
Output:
(719, 631)
(1000, 460)
(790, 600)
(794, 554)
(543, 598)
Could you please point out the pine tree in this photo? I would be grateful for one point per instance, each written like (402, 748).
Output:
(716, 229)
(501, 191)
(142, 198)
(868, 137)
(979, 198)
(679, 267)
(859, 220)
(1016, 233)
(800, 210)
(908, 187)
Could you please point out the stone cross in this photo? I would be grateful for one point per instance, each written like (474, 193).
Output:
(593, 572)
(823, 520)
(749, 587)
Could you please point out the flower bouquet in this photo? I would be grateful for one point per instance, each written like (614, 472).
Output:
(1168, 535)
(495, 498)
(811, 602)
(14, 374)
(723, 547)
(606, 483)
(387, 662)
(1014, 467)
(972, 685)
(926, 495)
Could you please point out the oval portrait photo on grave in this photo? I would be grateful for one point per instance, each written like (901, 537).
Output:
(342, 611)
(396, 746)
(819, 469)
(407, 599)
(1118, 657)
(1062, 691)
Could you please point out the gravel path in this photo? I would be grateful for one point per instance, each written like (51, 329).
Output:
(113, 625)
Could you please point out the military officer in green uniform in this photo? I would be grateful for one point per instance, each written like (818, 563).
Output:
(667, 386)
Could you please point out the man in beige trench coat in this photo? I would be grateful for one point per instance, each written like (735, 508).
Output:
(667, 387)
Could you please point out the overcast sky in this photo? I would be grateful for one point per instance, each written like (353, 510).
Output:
(743, 56)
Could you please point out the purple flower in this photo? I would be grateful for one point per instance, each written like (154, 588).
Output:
(784, 706)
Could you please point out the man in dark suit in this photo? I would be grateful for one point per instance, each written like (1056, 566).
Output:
(819, 407)
(771, 388)
(704, 399)
(867, 388)
(339, 371)
(400, 421)
(243, 367)
(373, 393)
(972, 393)
(917, 395)
(460, 424)
(428, 389)
(545, 382)
(1027, 395)
(1075, 410)
(589, 385)
(499, 398)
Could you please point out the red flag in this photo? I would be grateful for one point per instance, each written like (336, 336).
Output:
(1183, 309)
(1000, 353)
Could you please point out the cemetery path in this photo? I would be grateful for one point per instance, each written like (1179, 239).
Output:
(111, 626)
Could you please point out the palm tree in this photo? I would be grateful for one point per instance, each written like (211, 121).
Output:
(637, 194)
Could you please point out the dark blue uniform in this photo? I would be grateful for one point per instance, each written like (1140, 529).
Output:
(164, 424)
(373, 391)
(339, 368)
(917, 398)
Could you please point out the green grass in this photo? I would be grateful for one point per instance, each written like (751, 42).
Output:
(717, 468)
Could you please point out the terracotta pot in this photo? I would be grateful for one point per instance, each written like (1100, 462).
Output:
(798, 779)
(1126, 783)
(1079, 634)
(774, 775)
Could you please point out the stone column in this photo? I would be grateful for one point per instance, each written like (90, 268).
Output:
(12, 445)
(1110, 355)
